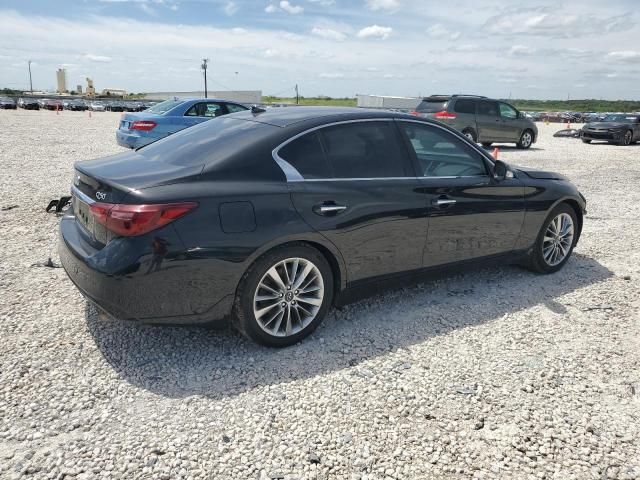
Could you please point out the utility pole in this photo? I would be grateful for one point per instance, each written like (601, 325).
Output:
(204, 67)
(297, 95)
(30, 81)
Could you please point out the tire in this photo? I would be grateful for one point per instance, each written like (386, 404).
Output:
(526, 140)
(586, 140)
(627, 138)
(470, 134)
(487, 144)
(289, 304)
(542, 258)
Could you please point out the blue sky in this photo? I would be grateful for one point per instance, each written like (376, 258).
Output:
(532, 49)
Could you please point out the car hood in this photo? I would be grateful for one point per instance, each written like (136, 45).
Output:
(607, 125)
(539, 174)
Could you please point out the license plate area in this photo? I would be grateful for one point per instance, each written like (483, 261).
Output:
(83, 215)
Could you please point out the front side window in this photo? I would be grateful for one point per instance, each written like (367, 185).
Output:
(507, 111)
(441, 154)
(205, 110)
(364, 150)
(305, 154)
(488, 108)
(233, 108)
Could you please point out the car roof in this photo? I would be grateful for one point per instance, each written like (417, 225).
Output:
(287, 116)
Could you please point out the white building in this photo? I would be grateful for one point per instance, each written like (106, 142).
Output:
(114, 92)
(380, 101)
(61, 77)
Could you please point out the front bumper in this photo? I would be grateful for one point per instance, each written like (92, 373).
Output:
(607, 135)
(122, 281)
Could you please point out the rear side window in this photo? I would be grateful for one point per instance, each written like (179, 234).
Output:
(465, 106)
(306, 156)
(165, 106)
(427, 106)
(233, 108)
(205, 110)
(364, 150)
(441, 154)
(488, 108)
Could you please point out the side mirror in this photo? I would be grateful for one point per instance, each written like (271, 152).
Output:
(501, 170)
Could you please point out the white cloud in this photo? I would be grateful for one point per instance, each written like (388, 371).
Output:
(230, 8)
(324, 3)
(289, 8)
(383, 4)
(271, 52)
(625, 56)
(97, 58)
(271, 8)
(439, 31)
(375, 31)
(331, 75)
(328, 33)
(521, 51)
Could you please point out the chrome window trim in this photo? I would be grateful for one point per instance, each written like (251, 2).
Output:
(293, 175)
(75, 191)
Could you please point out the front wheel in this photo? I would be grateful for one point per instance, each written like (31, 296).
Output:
(555, 241)
(586, 140)
(627, 138)
(526, 139)
(284, 296)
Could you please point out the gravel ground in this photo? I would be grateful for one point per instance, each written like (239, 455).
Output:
(495, 374)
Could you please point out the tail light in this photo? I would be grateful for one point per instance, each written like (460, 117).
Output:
(132, 220)
(414, 113)
(144, 125)
(444, 115)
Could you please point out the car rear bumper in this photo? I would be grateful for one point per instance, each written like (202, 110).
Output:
(123, 281)
(131, 140)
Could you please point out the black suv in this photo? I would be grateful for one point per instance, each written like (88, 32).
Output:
(481, 119)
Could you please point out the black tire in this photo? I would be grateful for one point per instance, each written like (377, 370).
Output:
(526, 140)
(536, 261)
(244, 319)
(627, 138)
(586, 140)
(470, 134)
(487, 144)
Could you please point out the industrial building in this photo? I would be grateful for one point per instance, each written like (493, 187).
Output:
(61, 77)
(379, 101)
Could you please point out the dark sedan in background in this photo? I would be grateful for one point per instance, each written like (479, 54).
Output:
(272, 217)
(8, 103)
(623, 129)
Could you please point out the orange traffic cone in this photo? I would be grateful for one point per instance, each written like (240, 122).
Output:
(568, 125)
(495, 153)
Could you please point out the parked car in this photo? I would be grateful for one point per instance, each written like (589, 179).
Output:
(97, 106)
(623, 129)
(76, 105)
(480, 119)
(270, 217)
(52, 104)
(8, 103)
(115, 106)
(139, 129)
(28, 103)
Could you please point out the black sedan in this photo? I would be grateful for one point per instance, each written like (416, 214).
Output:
(272, 217)
(623, 129)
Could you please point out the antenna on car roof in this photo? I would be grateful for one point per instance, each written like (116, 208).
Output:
(255, 109)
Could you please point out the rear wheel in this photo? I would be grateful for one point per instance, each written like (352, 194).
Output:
(284, 296)
(586, 140)
(526, 139)
(555, 241)
(470, 134)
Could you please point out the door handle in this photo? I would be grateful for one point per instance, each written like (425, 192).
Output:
(442, 202)
(327, 209)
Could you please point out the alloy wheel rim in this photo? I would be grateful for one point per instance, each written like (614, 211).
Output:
(627, 138)
(558, 239)
(288, 297)
(469, 135)
(526, 139)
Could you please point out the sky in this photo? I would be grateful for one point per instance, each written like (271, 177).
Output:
(546, 49)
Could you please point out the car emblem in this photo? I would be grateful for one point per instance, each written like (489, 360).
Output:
(101, 195)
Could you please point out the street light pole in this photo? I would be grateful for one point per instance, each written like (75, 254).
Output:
(204, 67)
(30, 81)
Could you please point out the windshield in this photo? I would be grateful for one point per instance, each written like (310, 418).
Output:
(164, 107)
(621, 118)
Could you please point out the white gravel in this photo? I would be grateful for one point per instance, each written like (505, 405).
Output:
(496, 374)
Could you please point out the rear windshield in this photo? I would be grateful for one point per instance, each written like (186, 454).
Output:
(163, 107)
(431, 106)
(621, 118)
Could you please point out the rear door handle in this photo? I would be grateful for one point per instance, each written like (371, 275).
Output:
(442, 202)
(327, 209)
